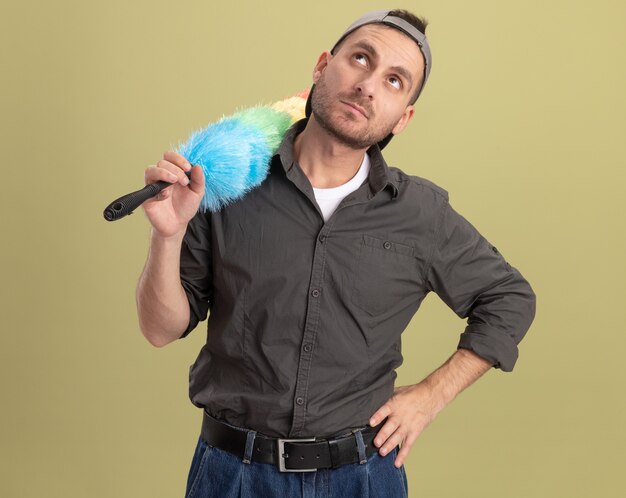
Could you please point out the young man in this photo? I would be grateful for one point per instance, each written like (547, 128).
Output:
(310, 280)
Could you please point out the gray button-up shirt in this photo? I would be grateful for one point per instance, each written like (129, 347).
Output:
(306, 316)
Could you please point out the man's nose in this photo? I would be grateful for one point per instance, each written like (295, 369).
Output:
(366, 88)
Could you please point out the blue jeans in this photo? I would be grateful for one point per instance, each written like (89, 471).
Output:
(215, 473)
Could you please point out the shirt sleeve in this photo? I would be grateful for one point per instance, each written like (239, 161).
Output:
(476, 282)
(196, 273)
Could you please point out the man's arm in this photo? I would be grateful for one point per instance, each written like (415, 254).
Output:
(162, 306)
(474, 280)
(412, 408)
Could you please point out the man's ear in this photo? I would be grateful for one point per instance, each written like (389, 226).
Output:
(404, 120)
(322, 61)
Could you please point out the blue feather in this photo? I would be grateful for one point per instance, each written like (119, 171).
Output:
(234, 157)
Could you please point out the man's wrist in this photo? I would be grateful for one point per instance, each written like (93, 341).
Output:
(438, 398)
(172, 239)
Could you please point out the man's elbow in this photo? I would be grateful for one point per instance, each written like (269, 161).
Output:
(159, 341)
(158, 338)
(531, 305)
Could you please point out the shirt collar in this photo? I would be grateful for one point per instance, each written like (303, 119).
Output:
(379, 175)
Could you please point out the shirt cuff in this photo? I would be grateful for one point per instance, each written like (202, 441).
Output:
(194, 312)
(492, 344)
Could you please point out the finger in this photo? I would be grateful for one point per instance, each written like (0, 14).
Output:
(379, 416)
(165, 193)
(197, 180)
(392, 441)
(177, 159)
(404, 450)
(172, 168)
(161, 196)
(152, 174)
(383, 434)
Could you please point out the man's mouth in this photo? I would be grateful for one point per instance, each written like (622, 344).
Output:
(356, 107)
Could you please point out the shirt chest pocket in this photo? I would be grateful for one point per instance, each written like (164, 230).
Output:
(387, 276)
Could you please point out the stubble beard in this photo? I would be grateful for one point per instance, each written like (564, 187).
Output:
(321, 105)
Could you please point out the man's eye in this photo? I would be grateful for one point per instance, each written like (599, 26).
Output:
(395, 82)
(361, 59)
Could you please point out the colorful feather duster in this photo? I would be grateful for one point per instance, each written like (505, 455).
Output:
(234, 154)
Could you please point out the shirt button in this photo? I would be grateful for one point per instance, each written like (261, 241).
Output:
(300, 401)
(315, 293)
(308, 348)
(387, 245)
(494, 249)
(322, 238)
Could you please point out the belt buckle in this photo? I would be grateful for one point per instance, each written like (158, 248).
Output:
(281, 453)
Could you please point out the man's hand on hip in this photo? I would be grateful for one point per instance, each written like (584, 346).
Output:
(412, 408)
(409, 411)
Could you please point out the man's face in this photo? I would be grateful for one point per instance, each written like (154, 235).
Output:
(362, 93)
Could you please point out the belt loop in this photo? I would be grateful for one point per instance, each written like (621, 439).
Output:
(360, 445)
(247, 455)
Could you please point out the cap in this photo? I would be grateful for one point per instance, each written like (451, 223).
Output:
(383, 17)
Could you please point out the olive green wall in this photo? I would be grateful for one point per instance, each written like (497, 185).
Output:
(522, 121)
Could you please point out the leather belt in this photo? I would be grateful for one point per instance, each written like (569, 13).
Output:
(289, 455)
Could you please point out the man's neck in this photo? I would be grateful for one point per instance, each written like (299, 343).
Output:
(324, 160)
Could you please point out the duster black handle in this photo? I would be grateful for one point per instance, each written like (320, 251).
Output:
(126, 204)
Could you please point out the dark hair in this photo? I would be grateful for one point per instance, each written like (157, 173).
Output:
(419, 23)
